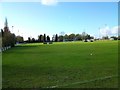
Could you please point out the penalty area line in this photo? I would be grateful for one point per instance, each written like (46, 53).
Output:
(83, 82)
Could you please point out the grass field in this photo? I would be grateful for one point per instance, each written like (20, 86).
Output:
(66, 65)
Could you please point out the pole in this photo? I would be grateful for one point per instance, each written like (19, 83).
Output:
(12, 29)
(99, 32)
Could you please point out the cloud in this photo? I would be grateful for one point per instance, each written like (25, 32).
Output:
(105, 31)
(109, 31)
(49, 2)
(115, 30)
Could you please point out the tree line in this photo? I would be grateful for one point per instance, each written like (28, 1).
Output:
(75, 37)
(10, 39)
(60, 38)
(66, 37)
(41, 38)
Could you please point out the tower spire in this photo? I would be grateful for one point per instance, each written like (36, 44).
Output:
(6, 28)
(6, 22)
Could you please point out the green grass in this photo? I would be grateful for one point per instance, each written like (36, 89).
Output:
(61, 65)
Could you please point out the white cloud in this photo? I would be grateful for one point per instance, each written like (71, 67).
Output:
(115, 30)
(109, 31)
(49, 2)
(105, 31)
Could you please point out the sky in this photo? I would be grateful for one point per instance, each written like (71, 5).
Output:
(31, 19)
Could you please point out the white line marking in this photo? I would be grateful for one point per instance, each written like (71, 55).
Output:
(86, 81)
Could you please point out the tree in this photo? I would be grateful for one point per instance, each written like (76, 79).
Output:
(41, 38)
(2, 32)
(72, 37)
(78, 37)
(19, 39)
(29, 39)
(44, 38)
(8, 39)
(56, 38)
(87, 37)
(48, 39)
(92, 37)
(114, 37)
(105, 37)
(13, 40)
(83, 35)
(60, 38)
(33, 40)
(53, 38)
(66, 37)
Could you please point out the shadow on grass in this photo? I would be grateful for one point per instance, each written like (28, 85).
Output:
(18, 75)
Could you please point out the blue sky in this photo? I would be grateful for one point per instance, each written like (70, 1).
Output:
(35, 18)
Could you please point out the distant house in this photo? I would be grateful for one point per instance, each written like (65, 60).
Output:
(111, 38)
(88, 40)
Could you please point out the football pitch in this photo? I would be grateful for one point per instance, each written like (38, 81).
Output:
(61, 65)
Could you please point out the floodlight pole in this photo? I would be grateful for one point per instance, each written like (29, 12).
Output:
(18, 32)
(106, 31)
(99, 32)
(12, 29)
